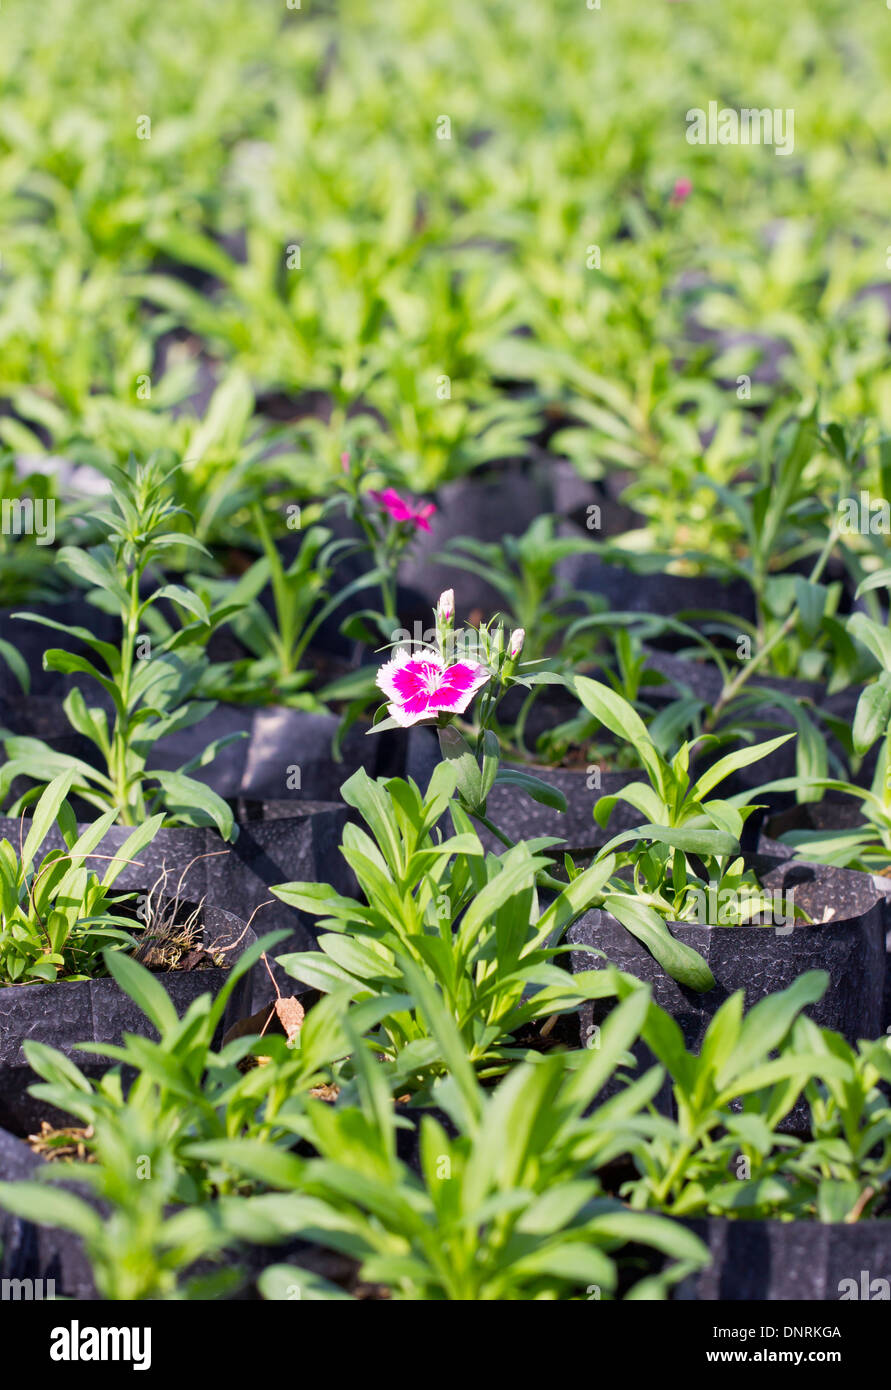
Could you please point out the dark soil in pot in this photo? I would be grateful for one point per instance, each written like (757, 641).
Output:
(785, 1261)
(68, 1012)
(762, 960)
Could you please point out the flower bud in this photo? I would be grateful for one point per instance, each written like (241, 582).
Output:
(446, 607)
(517, 638)
(345, 461)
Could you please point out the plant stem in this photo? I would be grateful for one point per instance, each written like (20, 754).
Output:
(731, 690)
(546, 880)
(122, 723)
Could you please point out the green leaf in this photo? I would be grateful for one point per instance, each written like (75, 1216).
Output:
(681, 962)
(91, 723)
(93, 572)
(17, 664)
(872, 714)
(876, 639)
(811, 600)
(179, 594)
(534, 787)
(143, 988)
(195, 803)
(132, 846)
(290, 1283)
(48, 1206)
(45, 814)
(490, 762)
(732, 762)
(767, 1023)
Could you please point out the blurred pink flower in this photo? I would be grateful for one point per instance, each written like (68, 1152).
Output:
(423, 686)
(401, 509)
(681, 191)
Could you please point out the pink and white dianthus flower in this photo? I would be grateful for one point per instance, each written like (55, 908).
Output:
(421, 686)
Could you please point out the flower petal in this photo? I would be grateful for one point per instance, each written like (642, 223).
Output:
(405, 720)
(458, 686)
(405, 676)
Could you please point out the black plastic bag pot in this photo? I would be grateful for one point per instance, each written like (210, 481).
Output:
(785, 1261)
(77, 1011)
(52, 1260)
(659, 593)
(764, 959)
(514, 812)
(486, 506)
(289, 754)
(831, 814)
(575, 499)
(285, 754)
(31, 640)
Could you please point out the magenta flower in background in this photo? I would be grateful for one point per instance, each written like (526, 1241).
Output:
(423, 686)
(681, 191)
(401, 509)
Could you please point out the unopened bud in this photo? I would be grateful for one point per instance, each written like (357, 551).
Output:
(517, 638)
(446, 606)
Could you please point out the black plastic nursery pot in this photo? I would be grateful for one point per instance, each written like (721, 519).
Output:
(659, 593)
(785, 1261)
(51, 1260)
(486, 506)
(521, 818)
(64, 1013)
(278, 842)
(831, 814)
(764, 959)
(285, 754)
(31, 640)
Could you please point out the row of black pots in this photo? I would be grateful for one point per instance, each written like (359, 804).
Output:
(852, 944)
(751, 1261)
(276, 753)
